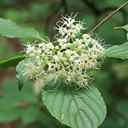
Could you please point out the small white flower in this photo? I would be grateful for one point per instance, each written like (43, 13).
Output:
(56, 47)
(56, 58)
(86, 36)
(41, 45)
(69, 27)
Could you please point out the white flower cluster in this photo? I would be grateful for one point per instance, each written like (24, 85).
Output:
(69, 27)
(71, 57)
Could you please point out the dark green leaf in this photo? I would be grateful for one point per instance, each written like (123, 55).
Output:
(83, 108)
(118, 51)
(20, 84)
(11, 62)
(122, 107)
(111, 122)
(12, 30)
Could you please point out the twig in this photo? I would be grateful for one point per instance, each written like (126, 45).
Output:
(123, 12)
(108, 17)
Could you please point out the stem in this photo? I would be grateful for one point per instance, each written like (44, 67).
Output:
(108, 17)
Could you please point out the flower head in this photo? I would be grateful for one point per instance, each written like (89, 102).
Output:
(68, 27)
(72, 57)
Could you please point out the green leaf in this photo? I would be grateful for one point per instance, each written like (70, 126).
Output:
(113, 122)
(83, 108)
(122, 108)
(7, 115)
(13, 98)
(12, 30)
(20, 70)
(125, 27)
(11, 61)
(30, 115)
(118, 51)
(11, 101)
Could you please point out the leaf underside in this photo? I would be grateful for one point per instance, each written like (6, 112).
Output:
(82, 108)
(20, 70)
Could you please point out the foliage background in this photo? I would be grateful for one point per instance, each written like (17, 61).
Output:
(24, 109)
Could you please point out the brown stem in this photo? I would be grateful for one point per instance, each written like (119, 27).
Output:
(108, 17)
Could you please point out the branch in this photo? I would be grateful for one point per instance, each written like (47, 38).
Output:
(108, 17)
(123, 12)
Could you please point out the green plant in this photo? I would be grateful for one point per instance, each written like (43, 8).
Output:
(82, 104)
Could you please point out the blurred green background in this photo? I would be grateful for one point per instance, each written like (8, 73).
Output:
(24, 109)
